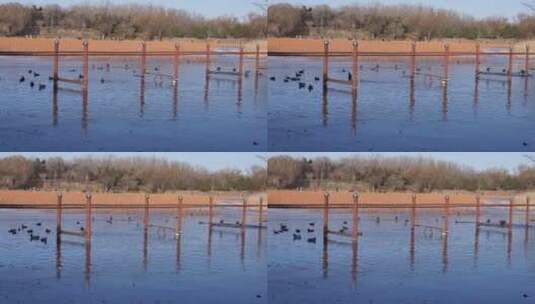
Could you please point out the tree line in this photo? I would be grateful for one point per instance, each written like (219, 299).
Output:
(383, 174)
(111, 174)
(376, 21)
(123, 21)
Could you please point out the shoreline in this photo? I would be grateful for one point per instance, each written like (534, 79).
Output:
(23, 199)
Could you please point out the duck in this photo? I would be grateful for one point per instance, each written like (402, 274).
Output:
(296, 236)
(44, 240)
(349, 76)
(42, 87)
(272, 78)
(312, 240)
(302, 85)
(36, 74)
(310, 87)
(47, 230)
(34, 238)
(22, 79)
(13, 231)
(38, 224)
(316, 78)
(32, 84)
(377, 219)
(310, 230)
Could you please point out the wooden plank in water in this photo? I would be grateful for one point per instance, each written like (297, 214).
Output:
(73, 233)
(224, 73)
(75, 81)
(348, 82)
(229, 225)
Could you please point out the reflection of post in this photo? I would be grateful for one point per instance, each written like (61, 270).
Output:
(510, 232)
(354, 112)
(445, 233)
(325, 64)
(146, 232)
(526, 71)
(412, 243)
(85, 110)
(55, 106)
(210, 221)
(446, 62)
(325, 107)
(445, 101)
(88, 233)
(59, 206)
(412, 100)
(325, 234)
(510, 63)
(178, 231)
(477, 227)
(176, 63)
(355, 235)
(240, 74)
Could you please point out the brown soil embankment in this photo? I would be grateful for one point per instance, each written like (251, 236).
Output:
(315, 199)
(76, 199)
(16, 44)
(290, 46)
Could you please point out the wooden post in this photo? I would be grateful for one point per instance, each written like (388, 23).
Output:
(176, 63)
(446, 213)
(526, 61)
(143, 58)
(210, 210)
(207, 59)
(446, 61)
(59, 207)
(325, 215)
(180, 201)
(55, 69)
(478, 60)
(260, 209)
(354, 67)
(244, 212)
(257, 59)
(527, 211)
(88, 220)
(478, 209)
(511, 201)
(85, 65)
(355, 217)
(510, 64)
(413, 60)
(325, 63)
(240, 65)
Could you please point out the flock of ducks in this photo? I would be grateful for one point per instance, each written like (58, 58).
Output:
(30, 231)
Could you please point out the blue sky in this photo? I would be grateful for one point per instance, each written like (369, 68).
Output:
(244, 160)
(240, 8)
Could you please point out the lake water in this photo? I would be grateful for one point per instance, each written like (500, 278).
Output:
(390, 264)
(391, 114)
(124, 113)
(125, 265)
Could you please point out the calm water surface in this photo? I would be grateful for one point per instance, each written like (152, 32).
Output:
(391, 114)
(124, 113)
(389, 264)
(124, 266)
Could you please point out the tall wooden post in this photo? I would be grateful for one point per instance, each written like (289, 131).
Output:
(257, 59)
(244, 212)
(478, 209)
(510, 64)
(446, 61)
(55, 68)
(511, 202)
(355, 217)
(210, 210)
(85, 65)
(207, 59)
(412, 244)
(325, 215)
(59, 210)
(325, 63)
(260, 210)
(478, 60)
(240, 64)
(413, 60)
(526, 61)
(354, 67)
(176, 63)
(143, 59)
(528, 203)
(88, 217)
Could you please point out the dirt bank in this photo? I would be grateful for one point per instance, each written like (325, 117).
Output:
(48, 199)
(293, 45)
(311, 199)
(187, 45)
